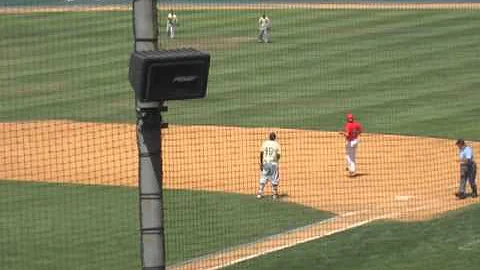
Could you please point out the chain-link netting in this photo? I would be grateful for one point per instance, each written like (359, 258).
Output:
(327, 139)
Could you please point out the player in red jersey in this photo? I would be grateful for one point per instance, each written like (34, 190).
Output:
(351, 131)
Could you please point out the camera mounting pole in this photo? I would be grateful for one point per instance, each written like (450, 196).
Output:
(157, 76)
(149, 122)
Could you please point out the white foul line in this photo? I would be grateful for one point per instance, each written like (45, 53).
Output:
(267, 238)
(358, 224)
(305, 240)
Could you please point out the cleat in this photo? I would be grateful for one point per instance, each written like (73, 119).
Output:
(474, 191)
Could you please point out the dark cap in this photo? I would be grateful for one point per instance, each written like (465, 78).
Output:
(460, 142)
(272, 136)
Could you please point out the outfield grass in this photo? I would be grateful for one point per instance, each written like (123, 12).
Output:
(59, 226)
(119, 2)
(449, 242)
(166, 2)
(409, 72)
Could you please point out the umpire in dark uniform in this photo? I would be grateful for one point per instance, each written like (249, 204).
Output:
(468, 169)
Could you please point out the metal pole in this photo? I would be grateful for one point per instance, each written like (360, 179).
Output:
(145, 28)
(150, 188)
(149, 123)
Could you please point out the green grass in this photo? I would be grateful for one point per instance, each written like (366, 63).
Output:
(59, 226)
(110, 2)
(449, 242)
(409, 72)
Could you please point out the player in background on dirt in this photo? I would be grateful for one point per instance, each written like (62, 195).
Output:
(351, 131)
(171, 24)
(468, 169)
(264, 26)
(269, 157)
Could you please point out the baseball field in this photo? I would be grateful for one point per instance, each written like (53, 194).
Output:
(68, 156)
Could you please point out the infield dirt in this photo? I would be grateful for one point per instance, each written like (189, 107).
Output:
(396, 173)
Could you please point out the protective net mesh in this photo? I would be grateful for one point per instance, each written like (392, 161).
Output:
(407, 72)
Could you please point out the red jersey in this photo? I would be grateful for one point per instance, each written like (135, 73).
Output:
(352, 130)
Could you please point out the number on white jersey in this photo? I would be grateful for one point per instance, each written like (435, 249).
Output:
(269, 153)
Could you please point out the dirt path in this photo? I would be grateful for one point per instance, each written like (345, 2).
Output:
(396, 180)
(264, 6)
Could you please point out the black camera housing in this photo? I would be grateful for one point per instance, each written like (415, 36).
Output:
(169, 74)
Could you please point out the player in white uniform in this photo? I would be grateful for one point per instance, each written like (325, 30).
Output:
(269, 157)
(264, 26)
(171, 24)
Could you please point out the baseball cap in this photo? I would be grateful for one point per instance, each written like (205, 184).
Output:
(350, 116)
